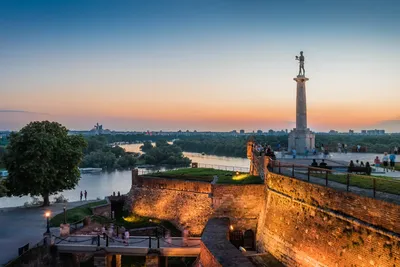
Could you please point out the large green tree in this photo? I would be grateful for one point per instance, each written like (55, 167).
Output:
(42, 159)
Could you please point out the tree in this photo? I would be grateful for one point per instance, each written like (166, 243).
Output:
(3, 189)
(42, 159)
(146, 146)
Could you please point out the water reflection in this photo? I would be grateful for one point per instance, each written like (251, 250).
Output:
(105, 183)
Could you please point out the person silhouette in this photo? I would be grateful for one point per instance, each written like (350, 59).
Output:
(81, 195)
(85, 195)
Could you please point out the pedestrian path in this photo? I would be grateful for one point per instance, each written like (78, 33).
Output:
(20, 226)
(343, 187)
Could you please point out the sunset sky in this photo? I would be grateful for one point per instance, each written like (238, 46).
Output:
(199, 64)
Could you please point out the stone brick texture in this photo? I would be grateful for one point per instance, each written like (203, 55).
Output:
(240, 203)
(102, 210)
(216, 250)
(299, 223)
(192, 203)
(309, 225)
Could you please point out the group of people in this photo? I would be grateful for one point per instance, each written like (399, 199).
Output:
(264, 150)
(342, 147)
(109, 232)
(388, 162)
(322, 164)
(307, 152)
(83, 194)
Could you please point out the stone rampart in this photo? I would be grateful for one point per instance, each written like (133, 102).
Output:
(304, 224)
(216, 250)
(102, 210)
(240, 203)
(192, 203)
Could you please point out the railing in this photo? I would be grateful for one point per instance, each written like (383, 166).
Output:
(374, 186)
(96, 240)
(200, 165)
(32, 256)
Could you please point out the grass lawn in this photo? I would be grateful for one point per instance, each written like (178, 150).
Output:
(397, 166)
(133, 221)
(75, 214)
(207, 174)
(383, 184)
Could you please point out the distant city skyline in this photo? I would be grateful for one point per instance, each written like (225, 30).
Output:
(204, 65)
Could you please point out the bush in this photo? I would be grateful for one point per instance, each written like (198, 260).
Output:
(60, 199)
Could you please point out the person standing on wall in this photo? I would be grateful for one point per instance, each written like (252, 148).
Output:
(392, 159)
(85, 195)
(294, 153)
(81, 195)
(385, 160)
(126, 237)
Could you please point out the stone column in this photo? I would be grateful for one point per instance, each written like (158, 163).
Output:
(100, 259)
(301, 103)
(136, 181)
(109, 260)
(153, 259)
(117, 260)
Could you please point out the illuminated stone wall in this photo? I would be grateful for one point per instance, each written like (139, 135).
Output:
(240, 203)
(192, 203)
(303, 224)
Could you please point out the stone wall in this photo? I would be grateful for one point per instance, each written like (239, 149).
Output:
(304, 224)
(103, 210)
(240, 203)
(216, 250)
(192, 203)
(181, 207)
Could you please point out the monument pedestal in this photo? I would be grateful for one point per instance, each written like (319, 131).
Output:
(301, 137)
(300, 140)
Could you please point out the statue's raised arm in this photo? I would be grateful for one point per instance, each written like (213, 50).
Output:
(300, 58)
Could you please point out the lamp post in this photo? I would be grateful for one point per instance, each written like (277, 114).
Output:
(65, 215)
(47, 215)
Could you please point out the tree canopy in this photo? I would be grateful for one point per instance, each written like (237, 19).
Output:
(100, 154)
(42, 159)
(166, 154)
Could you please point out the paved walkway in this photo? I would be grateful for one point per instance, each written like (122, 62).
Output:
(25, 225)
(342, 187)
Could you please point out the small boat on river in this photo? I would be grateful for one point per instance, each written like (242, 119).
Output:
(90, 170)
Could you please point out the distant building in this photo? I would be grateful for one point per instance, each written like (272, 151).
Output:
(373, 132)
(333, 132)
(241, 131)
(259, 131)
(351, 131)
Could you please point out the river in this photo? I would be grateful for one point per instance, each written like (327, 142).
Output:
(105, 183)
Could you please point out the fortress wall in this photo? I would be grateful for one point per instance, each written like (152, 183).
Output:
(192, 203)
(377, 212)
(303, 224)
(241, 203)
(172, 184)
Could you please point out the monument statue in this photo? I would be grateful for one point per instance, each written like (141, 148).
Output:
(301, 64)
(301, 139)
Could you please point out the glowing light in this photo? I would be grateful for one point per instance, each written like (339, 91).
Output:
(240, 177)
(47, 214)
(231, 227)
(237, 173)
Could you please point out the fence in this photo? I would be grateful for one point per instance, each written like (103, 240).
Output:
(200, 165)
(34, 256)
(374, 186)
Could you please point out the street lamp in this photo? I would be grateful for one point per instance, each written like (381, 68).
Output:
(47, 215)
(65, 214)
